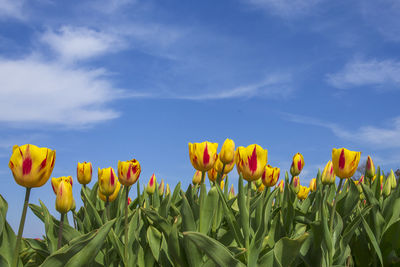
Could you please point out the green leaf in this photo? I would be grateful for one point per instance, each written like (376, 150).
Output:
(207, 211)
(244, 212)
(372, 239)
(154, 239)
(286, 250)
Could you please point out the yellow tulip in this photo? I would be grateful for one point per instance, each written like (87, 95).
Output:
(345, 162)
(227, 154)
(231, 192)
(270, 175)
(203, 155)
(64, 199)
(55, 182)
(107, 181)
(128, 172)
(84, 172)
(213, 174)
(297, 164)
(161, 188)
(222, 185)
(31, 166)
(370, 168)
(313, 185)
(303, 192)
(328, 175)
(167, 190)
(197, 177)
(281, 186)
(228, 167)
(250, 161)
(113, 196)
(261, 188)
(151, 186)
(392, 178)
(296, 184)
(386, 190)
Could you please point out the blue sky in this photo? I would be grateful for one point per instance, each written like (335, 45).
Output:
(104, 81)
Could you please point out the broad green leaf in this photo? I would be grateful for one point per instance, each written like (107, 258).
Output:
(286, 250)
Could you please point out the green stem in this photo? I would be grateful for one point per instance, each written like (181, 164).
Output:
(107, 208)
(220, 175)
(74, 217)
(138, 194)
(60, 231)
(21, 228)
(84, 199)
(203, 175)
(126, 223)
(334, 205)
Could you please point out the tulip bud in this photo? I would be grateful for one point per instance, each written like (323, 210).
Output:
(222, 185)
(270, 175)
(303, 192)
(84, 172)
(197, 177)
(203, 155)
(297, 164)
(107, 181)
(227, 153)
(361, 180)
(167, 190)
(250, 161)
(213, 174)
(386, 188)
(345, 162)
(64, 199)
(281, 186)
(55, 182)
(129, 200)
(296, 184)
(161, 188)
(370, 168)
(392, 178)
(228, 167)
(231, 193)
(128, 172)
(328, 175)
(313, 185)
(113, 196)
(151, 186)
(31, 166)
(261, 187)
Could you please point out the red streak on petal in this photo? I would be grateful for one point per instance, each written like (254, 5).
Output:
(295, 182)
(206, 156)
(112, 179)
(26, 166)
(53, 188)
(369, 163)
(152, 180)
(20, 152)
(342, 160)
(43, 164)
(331, 171)
(253, 160)
(128, 175)
(60, 190)
(11, 165)
(134, 169)
(52, 162)
(299, 165)
(263, 176)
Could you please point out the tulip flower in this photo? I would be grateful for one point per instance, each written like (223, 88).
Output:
(203, 155)
(219, 166)
(84, 172)
(328, 175)
(111, 197)
(151, 186)
(270, 175)
(297, 164)
(250, 161)
(345, 162)
(161, 188)
(167, 190)
(31, 166)
(213, 174)
(231, 193)
(281, 186)
(296, 184)
(227, 154)
(261, 187)
(197, 177)
(392, 178)
(64, 203)
(128, 172)
(55, 182)
(387, 188)
(313, 185)
(361, 180)
(129, 201)
(107, 181)
(303, 192)
(369, 168)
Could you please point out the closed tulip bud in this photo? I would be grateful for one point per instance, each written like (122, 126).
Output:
(303, 192)
(222, 185)
(31, 166)
(370, 168)
(151, 186)
(113, 196)
(167, 190)
(161, 188)
(213, 174)
(55, 182)
(227, 153)
(296, 184)
(281, 186)
(84, 172)
(387, 188)
(231, 192)
(203, 155)
(345, 162)
(107, 181)
(64, 199)
(297, 164)
(328, 175)
(250, 161)
(129, 200)
(261, 187)
(128, 172)
(270, 175)
(361, 180)
(197, 177)
(228, 167)
(313, 185)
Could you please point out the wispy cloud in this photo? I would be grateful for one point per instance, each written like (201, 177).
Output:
(286, 8)
(367, 73)
(11, 9)
(379, 137)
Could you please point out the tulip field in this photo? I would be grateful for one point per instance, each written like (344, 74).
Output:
(267, 218)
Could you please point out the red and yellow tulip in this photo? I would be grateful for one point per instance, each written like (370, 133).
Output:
(345, 162)
(203, 155)
(64, 199)
(55, 182)
(128, 172)
(328, 175)
(227, 154)
(84, 172)
(107, 181)
(297, 164)
(270, 175)
(313, 185)
(111, 197)
(250, 161)
(303, 192)
(151, 185)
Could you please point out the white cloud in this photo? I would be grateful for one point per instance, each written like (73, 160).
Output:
(34, 91)
(76, 43)
(286, 8)
(11, 8)
(276, 85)
(379, 137)
(367, 73)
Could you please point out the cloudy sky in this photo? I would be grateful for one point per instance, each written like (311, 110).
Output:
(112, 80)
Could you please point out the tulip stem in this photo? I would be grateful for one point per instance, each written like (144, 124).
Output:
(60, 231)
(334, 205)
(21, 228)
(203, 175)
(220, 175)
(126, 224)
(139, 196)
(107, 207)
